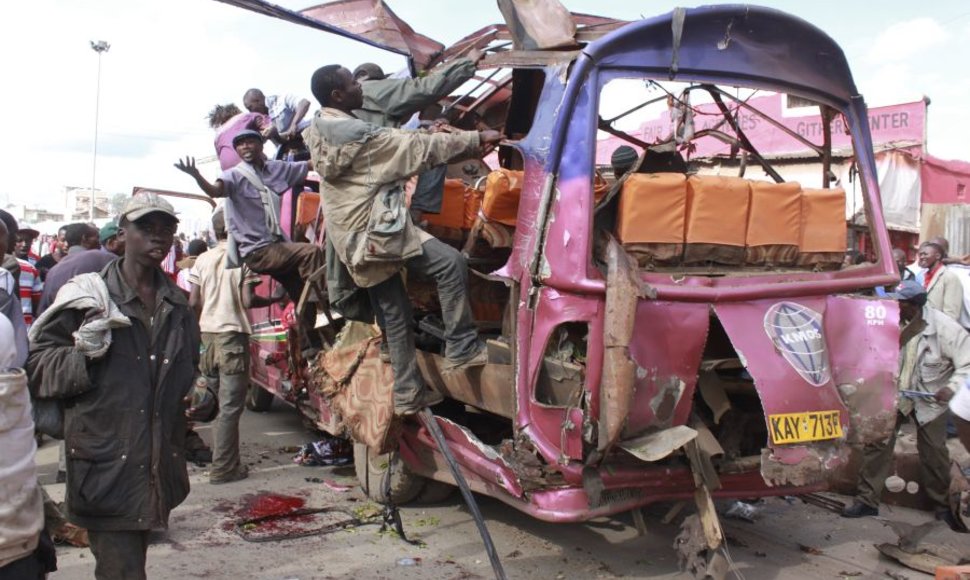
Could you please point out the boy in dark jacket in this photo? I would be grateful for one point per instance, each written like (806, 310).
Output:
(125, 410)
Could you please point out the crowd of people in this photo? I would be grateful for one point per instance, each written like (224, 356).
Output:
(125, 355)
(117, 339)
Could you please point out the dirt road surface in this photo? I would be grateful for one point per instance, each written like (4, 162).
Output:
(789, 538)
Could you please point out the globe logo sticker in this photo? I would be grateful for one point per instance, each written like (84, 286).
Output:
(796, 331)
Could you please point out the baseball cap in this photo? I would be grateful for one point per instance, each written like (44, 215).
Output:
(27, 231)
(907, 290)
(144, 203)
(246, 134)
(108, 231)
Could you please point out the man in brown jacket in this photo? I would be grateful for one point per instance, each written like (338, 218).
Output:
(125, 411)
(364, 168)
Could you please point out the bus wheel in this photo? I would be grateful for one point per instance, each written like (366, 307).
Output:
(258, 399)
(372, 469)
(435, 492)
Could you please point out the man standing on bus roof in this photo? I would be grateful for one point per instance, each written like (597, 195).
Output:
(286, 115)
(934, 362)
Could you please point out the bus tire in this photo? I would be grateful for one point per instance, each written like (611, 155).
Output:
(435, 492)
(371, 469)
(258, 399)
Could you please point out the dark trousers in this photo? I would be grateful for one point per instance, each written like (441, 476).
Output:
(33, 566)
(288, 263)
(877, 461)
(119, 555)
(26, 568)
(447, 266)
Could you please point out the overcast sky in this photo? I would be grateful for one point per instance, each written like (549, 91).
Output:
(171, 60)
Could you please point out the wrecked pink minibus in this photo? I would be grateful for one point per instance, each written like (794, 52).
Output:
(677, 331)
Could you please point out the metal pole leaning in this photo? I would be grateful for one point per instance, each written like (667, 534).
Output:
(427, 417)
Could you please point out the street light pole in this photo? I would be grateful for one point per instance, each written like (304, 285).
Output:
(99, 47)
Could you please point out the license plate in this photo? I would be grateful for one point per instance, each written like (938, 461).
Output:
(802, 427)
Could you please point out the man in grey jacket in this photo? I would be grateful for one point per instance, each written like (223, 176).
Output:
(125, 411)
(390, 102)
(934, 362)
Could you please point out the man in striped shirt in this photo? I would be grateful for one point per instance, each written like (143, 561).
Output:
(31, 289)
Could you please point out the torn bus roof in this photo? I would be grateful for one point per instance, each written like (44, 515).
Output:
(372, 22)
(274, 11)
(377, 22)
(763, 47)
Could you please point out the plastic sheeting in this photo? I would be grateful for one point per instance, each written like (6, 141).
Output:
(900, 186)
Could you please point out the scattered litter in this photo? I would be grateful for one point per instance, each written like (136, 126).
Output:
(896, 576)
(810, 550)
(329, 451)
(740, 510)
(409, 562)
(823, 502)
(338, 487)
(845, 574)
(927, 560)
(911, 535)
(330, 484)
(514, 554)
(428, 521)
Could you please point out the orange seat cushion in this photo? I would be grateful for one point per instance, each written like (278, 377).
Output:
(717, 210)
(503, 187)
(652, 209)
(452, 214)
(823, 226)
(307, 207)
(775, 214)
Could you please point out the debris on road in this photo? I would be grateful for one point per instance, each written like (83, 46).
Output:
(740, 510)
(927, 560)
(329, 451)
(910, 535)
(810, 550)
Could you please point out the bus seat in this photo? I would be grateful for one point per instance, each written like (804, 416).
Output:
(307, 207)
(501, 201)
(717, 220)
(774, 224)
(823, 230)
(453, 207)
(650, 217)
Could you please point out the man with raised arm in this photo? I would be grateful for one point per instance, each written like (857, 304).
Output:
(253, 189)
